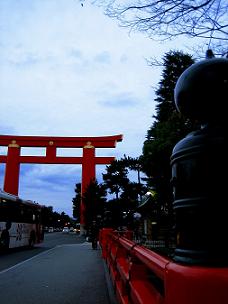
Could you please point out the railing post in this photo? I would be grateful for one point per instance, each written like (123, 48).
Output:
(103, 240)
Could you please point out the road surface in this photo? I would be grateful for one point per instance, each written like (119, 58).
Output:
(63, 270)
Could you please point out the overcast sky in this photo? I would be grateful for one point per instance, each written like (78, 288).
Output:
(68, 70)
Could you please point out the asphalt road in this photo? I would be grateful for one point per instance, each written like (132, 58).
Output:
(51, 240)
(63, 270)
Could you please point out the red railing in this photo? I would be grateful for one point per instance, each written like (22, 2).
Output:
(141, 276)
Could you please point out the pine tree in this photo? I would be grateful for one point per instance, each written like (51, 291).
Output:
(116, 177)
(94, 199)
(167, 129)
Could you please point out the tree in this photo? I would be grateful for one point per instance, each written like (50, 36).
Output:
(65, 219)
(166, 19)
(94, 199)
(168, 128)
(126, 192)
(52, 218)
(113, 215)
(116, 177)
(135, 164)
(47, 216)
(129, 197)
(77, 201)
(174, 63)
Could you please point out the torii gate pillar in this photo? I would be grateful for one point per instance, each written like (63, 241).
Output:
(13, 159)
(12, 172)
(88, 175)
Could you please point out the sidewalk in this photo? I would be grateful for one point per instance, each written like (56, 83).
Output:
(66, 274)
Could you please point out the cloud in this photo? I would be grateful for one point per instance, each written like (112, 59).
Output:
(7, 128)
(103, 58)
(120, 100)
(75, 53)
(24, 59)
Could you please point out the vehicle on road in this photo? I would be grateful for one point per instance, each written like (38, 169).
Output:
(20, 222)
(65, 230)
(50, 229)
(77, 228)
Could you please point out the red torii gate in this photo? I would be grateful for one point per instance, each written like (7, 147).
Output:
(13, 159)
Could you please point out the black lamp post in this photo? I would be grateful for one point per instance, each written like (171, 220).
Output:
(199, 166)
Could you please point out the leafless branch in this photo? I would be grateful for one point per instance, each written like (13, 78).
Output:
(167, 19)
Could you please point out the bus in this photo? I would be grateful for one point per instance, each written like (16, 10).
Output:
(20, 222)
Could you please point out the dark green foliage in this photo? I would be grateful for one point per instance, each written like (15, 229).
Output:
(168, 128)
(77, 201)
(94, 199)
(133, 164)
(127, 193)
(51, 218)
(116, 178)
(47, 216)
(113, 213)
(174, 63)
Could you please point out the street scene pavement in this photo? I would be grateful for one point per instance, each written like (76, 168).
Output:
(64, 274)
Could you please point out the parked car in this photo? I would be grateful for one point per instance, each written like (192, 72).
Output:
(65, 230)
(50, 229)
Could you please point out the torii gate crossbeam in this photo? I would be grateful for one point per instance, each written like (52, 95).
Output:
(13, 159)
